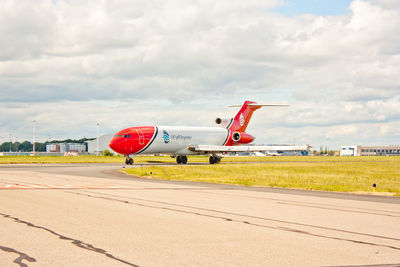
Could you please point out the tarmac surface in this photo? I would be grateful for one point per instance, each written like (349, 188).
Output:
(94, 215)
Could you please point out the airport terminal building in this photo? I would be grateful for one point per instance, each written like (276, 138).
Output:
(370, 151)
(66, 147)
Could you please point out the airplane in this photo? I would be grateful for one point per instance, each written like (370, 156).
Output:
(180, 141)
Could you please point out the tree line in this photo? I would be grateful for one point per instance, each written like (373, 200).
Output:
(27, 146)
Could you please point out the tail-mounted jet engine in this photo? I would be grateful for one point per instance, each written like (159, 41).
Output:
(242, 138)
(236, 137)
(223, 122)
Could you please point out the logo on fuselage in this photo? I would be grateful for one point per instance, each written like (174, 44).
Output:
(165, 137)
(241, 119)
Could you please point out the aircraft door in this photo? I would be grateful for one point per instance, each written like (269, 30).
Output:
(141, 137)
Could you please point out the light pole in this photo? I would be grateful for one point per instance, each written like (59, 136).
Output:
(34, 136)
(97, 140)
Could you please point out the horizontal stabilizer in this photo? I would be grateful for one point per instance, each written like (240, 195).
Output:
(213, 149)
(261, 105)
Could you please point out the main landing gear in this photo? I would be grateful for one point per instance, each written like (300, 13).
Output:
(215, 159)
(129, 161)
(181, 159)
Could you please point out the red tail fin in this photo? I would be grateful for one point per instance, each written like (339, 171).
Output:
(243, 117)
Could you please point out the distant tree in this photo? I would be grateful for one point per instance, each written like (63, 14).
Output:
(5, 147)
(26, 146)
(80, 141)
(40, 147)
(16, 146)
(107, 153)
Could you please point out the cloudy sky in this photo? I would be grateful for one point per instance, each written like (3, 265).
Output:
(68, 64)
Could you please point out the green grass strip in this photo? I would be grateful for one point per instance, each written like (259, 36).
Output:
(342, 176)
(168, 159)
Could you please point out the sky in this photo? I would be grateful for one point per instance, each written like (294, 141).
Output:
(316, 7)
(69, 64)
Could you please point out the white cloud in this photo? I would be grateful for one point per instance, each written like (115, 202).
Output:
(389, 4)
(71, 63)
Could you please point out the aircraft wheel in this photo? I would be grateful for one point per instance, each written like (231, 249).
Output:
(179, 159)
(212, 160)
(130, 161)
(184, 159)
(127, 161)
(218, 160)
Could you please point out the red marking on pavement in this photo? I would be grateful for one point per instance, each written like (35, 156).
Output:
(42, 186)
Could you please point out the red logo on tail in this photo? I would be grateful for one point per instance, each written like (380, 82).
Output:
(243, 117)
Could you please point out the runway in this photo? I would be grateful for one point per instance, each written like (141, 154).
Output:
(94, 215)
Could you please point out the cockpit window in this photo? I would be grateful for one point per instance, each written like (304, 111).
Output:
(127, 136)
(118, 135)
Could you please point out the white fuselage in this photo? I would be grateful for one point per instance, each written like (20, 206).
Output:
(176, 139)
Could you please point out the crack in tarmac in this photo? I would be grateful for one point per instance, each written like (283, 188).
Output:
(75, 242)
(249, 216)
(22, 256)
(289, 202)
(336, 209)
(239, 221)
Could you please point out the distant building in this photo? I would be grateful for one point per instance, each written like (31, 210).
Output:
(104, 140)
(66, 147)
(303, 152)
(76, 147)
(281, 150)
(348, 151)
(379, 150)
(370, 151)
(52, 148)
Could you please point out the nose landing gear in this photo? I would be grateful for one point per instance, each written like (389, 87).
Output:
(181, 159)
(129, 161)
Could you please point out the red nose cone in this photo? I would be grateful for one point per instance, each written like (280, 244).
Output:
(133, 140)
(113, 144)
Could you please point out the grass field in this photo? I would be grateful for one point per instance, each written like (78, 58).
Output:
(90, 159)
(167, 159)
(343, 174)
(58, 159)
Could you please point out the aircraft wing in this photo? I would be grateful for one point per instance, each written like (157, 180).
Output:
(213, 149)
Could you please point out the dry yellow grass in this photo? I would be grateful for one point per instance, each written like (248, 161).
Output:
(58, 159)
(167, 159)
(345, 174)
(342, 174)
